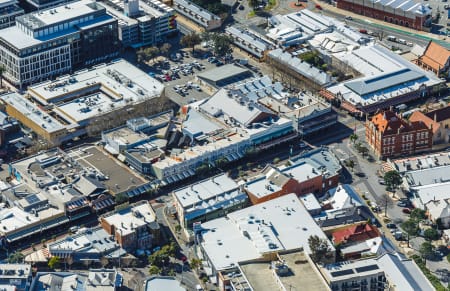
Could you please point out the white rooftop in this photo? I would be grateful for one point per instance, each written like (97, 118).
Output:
(64, 12)
(279, 224)
(160, 283)
(14, 218)
(33, 112)
(126, 220)
(385, 75)
(205, 190)
(119, 81)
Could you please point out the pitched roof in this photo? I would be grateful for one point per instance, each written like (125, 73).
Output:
(388, 122)
(439, 114)
(418, 116)
(356, 233)
(435, 56)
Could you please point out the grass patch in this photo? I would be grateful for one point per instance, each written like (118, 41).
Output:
(433, 279)
(270, 5)
(251, 14)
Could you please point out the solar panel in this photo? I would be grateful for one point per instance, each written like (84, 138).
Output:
(32, 199)
(366, 268)
(342, 273)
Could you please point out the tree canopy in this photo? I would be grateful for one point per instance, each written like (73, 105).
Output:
(319, 249)
(16, 257)
(426, 249)
(190, 40)
(54, 262)
(392, 179)
(221, 44)
(411, 228)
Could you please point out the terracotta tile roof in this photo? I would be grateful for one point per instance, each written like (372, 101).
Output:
(435, 56)
(418, 116)
(356, 233)
(388, 122)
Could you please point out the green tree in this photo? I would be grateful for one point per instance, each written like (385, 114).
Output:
(121, 198)
(431, 234)
(54, 262)
(165, 49)
(417, 215)
(353, 138)
(253, 3)
(203, 169)
(195, 264)
(411, 228)
(221, 44)
(154, 270)
(151, 52)
(2, 71)
(392, 179)
(190, 40)
(320, 249)
(177, 228)
(363, 150)
(426, 250)
(351, 164)
(16, 257)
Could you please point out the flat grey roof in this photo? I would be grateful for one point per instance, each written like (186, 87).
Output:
(428, 176)
(375, 84)
(224, 72)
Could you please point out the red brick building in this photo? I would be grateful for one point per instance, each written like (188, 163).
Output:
(407, 13)
(315, 172)
(389, 135)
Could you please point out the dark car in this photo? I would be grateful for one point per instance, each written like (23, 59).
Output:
(241, 7)
(406, 210)
(391, 225)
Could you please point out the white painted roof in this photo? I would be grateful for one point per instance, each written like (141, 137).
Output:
(279, 224)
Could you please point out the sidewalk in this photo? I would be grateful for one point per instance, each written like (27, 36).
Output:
(377, 22)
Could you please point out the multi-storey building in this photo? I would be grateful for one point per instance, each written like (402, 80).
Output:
(389, 135)
(142, 23)
(391, 271)
(208, 199)
(134, 227)
(9, 10)
(406, 13)
(51, 42)
(197, 14)
(15, 277)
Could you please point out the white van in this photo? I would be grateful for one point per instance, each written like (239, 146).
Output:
(401, 41)
(391, 38)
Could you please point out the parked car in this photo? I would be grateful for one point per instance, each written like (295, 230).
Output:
(241, 7)
(406, 210)
(363, 31)
(318, 7)
(402, 204)
(381, 182)
(348, 17)
(391, 225)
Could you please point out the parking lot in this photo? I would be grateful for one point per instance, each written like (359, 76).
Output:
(178, 74)
(118, 177)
